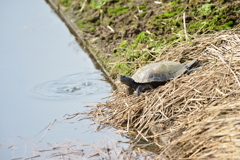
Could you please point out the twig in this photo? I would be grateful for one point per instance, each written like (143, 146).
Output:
(48, 129)
(184, 25)
(32, 157)
(83, 6)
(128, 119)
(139, 133)
(157, 2)
(221, 58)
(111, 29)
(41, 131)
(99, 149)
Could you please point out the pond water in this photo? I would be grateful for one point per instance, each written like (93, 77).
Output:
(45, 74)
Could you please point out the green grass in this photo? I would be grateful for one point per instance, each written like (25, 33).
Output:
(66, 3)
(159, 28)
(115, 11)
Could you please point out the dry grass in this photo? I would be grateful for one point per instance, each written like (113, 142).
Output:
(106, 149)
(193, 116)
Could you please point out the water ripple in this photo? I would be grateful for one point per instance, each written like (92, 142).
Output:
(80, 84)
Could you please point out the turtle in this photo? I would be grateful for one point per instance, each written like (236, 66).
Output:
(155, 74)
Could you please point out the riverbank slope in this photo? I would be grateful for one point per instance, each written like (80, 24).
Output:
(127, 34)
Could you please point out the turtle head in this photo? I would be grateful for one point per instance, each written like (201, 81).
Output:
(128, 81)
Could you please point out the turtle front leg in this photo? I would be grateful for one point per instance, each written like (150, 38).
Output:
(142, 88)
(139, 90)
(130, 90)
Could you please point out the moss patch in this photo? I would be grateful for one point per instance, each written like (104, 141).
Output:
(66, 3)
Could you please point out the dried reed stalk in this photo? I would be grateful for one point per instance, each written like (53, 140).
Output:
(192, 116)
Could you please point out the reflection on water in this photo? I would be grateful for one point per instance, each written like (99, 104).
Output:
(79, 84)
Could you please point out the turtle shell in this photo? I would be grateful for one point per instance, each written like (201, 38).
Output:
(159, 72)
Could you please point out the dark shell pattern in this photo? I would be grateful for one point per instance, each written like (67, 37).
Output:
(159, 72)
